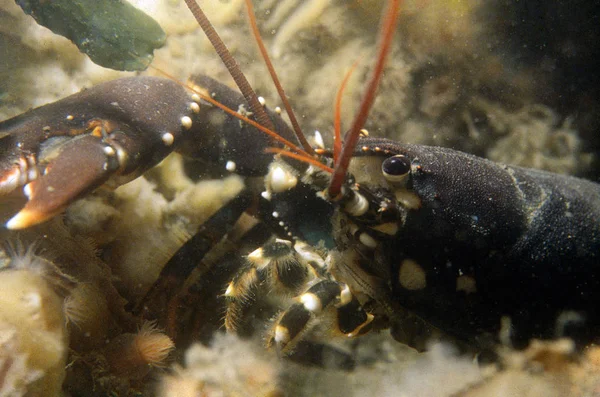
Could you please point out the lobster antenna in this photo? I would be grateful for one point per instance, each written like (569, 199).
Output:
(278, 86)
(300, 157)
(385, 41)
(231, 64)
(337, 120)
(235, 114)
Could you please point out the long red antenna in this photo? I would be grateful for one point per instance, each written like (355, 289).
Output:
(337, 120)
(280, 91)
(385, 41)
(300, 157)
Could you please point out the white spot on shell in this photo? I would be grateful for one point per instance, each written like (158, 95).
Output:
(280, 180)
(230, 166)
(186, 122)
(466, 284)
(282, 335)
(311, 302)
(367, 240)
(70, 117)
(345, 296)
(168, 138)
(194, 107)
(277, 110)
(390, 228)
(408, 199)
(109, 151)
(266, 195)
(262, 101)
(412, 276)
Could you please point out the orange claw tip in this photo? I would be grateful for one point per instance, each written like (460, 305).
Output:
(26, 218)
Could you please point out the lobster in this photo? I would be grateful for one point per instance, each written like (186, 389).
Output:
(426, 238)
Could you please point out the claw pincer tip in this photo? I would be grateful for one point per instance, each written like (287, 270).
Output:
(26, 218)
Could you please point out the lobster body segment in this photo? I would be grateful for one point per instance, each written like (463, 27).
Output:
(486, 241)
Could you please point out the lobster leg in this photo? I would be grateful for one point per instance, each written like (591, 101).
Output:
(350, 317)
(186, 259)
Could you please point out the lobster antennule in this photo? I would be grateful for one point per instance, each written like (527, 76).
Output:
(385, 40)
(275, 78)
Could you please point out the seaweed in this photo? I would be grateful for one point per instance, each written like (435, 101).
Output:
(113, 33)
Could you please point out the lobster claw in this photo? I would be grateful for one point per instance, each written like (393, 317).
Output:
(82, 164)
(112, 132)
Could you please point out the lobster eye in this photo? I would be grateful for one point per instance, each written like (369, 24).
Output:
(396, 168)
